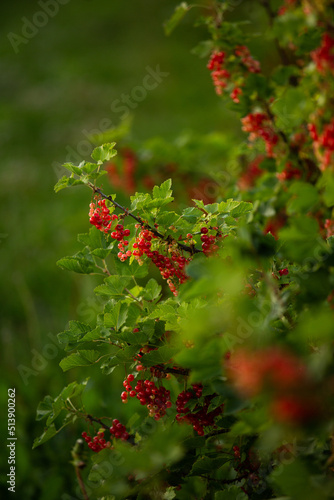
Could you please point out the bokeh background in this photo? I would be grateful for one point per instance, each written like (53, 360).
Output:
(54, 91)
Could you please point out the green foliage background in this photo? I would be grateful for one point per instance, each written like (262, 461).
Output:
(62, 82)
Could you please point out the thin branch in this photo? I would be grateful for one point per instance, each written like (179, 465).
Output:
(216, 433)
(177, 371)
(98, 421)
(81, 483)
(135, 298)
(186, 248)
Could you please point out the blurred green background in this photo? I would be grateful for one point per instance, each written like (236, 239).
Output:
(62, 82)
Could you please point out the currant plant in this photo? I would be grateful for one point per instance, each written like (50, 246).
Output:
(218, 316)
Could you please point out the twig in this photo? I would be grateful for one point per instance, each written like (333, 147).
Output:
(216, 433)
(97, 420)
(131, 295)
(186, 248)
(81, 483)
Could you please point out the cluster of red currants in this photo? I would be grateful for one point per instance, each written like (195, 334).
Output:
(156, 399)
(97, 443)
(323, 56)
(283, 376)
(259, 125)
(100, 216)
(119, 234)
(199, 417)
(323, 144)
(289, 172)
(221, 76)
(170, 268)
(247, 60)
(329, 226)
(118, 430)
(209, 241)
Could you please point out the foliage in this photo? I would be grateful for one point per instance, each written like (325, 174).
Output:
(218, 315)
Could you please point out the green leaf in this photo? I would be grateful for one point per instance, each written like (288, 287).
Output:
(302, 240)
(160, 356)
(74, 169)
(173, 21)
(113, 287)
(104, 153)
(295, 480)
(292, 109)
(89, 168)
(169, 493)
(326, 183)
(47, 434)
(75, 333)
(139, 200)
(243, 208)
(166, 219)
(235, 208)
(232, 493)
(206, 465)
(303, 197)
(117, 315)
(95, 239)
(203, 49)
(81, 358)
(81, 263)
(126, 355)
(164, 190)
(65, 182)
(192, 214)
(152, 290)
(44, 408)
(134, 269)
(283, 74)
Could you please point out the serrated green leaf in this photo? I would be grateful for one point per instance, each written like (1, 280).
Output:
(173, 21)
(139, 200)
(206, 465)
(94, 239)
(303, 197)
(44, 408)
(104, 153)
(78, 263)
(243, 208)
(134, 269)
(160, 356)
(113, 287)
(166, 219)
(81, 358)
(164, 190)
(73, 168)
(89, 168)
(47, 434)
(152, 290)
(65, 182)
(117, 316)
(75, 333)
(192, 214)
